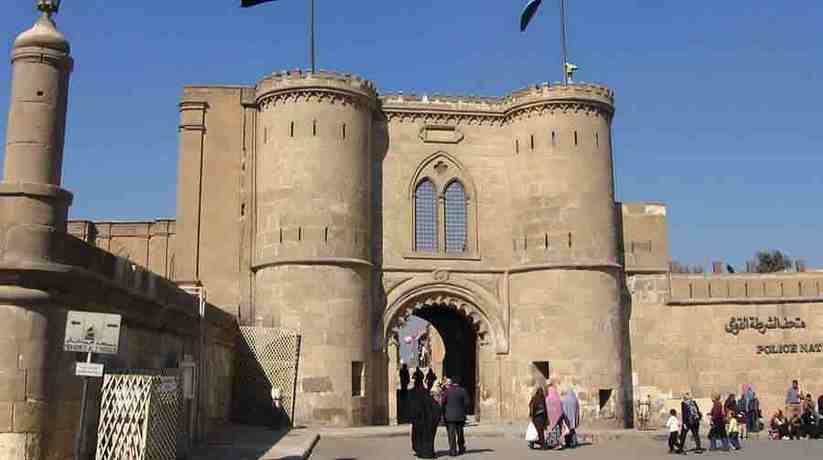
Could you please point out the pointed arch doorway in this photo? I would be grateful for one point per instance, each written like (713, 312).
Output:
(471, 327)
(459, 340)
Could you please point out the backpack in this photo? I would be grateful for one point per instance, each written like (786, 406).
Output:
(694, 413)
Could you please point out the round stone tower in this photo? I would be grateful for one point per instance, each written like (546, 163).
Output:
(566, 276)
(33, 204)
(313, 234)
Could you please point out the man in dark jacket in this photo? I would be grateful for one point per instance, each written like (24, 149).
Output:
(691, 422)
(456, 406)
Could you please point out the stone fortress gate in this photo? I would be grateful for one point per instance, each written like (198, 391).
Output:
(310, 201)
(494, 218)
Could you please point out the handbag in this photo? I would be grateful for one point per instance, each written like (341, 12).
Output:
(531, 433)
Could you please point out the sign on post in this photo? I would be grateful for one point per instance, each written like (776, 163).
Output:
(92, 332)
(89, 370)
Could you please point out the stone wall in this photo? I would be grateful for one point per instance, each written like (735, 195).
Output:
(40, 396)
(149, 244)
(703, 333)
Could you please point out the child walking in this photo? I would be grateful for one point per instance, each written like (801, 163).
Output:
(733, 430)
(674, 429)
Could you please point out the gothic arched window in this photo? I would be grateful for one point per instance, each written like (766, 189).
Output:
(425, 217)
(456, 216)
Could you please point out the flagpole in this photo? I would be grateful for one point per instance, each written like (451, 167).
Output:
(311, 40)
(563, 56)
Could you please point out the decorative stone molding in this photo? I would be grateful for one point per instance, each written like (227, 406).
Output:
(464, 296)
(550, 108)
(440, 134)
(319, 95)
(469, 119)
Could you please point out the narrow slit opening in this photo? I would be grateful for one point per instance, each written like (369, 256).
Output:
(291, 130)
(314, 128)
(575, 138)
(344, 131)
(532, 141)
(554, 138)
(570, 240)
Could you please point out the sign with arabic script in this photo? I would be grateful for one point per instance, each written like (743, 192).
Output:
(738, 324)
(92, 332)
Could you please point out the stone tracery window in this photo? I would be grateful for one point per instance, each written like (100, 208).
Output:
(425, 217)
(443, 211)
(455, 217)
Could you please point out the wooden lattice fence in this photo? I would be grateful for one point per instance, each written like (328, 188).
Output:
(268, 358)
(140, 416)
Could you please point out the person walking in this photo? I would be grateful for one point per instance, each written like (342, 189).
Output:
(425, 414)
(405, 378)
(674, 426)
(571, 414)
(537, 413)
(418, 376)
(456, 408)
(752, 410)
(554, 408)
(733, 430)
(691, 422)
(431, 377)
(718, 428)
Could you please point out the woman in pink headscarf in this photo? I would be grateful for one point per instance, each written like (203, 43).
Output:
(554, 408)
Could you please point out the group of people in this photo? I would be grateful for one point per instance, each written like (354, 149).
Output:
(554, 419)
(733, 419)
(729, 422)
(801, 419)
(431, 404)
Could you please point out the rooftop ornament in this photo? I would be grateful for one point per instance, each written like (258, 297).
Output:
(48, 7)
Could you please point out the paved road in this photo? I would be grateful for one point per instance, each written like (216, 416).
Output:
(512, 449)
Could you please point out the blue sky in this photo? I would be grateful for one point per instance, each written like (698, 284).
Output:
(718, 102)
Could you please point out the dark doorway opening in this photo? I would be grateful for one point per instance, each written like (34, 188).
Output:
(460, 343)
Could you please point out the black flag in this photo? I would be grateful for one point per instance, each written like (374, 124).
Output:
(528, 13)
(248, 3)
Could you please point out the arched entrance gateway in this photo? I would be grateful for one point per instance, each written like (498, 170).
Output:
(470, 323)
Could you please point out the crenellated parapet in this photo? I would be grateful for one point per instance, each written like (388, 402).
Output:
(590, 99)
(528, 102)
(298, 86)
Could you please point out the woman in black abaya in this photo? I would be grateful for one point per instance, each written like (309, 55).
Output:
(425, 414)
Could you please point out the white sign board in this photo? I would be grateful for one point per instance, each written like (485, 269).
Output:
(92, 332)
(168, 384)
(89, 370)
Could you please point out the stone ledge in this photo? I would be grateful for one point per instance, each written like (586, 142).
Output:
(745, 300)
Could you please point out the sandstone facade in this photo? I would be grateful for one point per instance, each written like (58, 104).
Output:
(312, 202)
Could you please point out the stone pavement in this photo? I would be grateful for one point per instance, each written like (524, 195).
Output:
(259, 443)
(508, 430)
(637, 447)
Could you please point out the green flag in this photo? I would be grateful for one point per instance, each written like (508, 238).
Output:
(528, 13)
